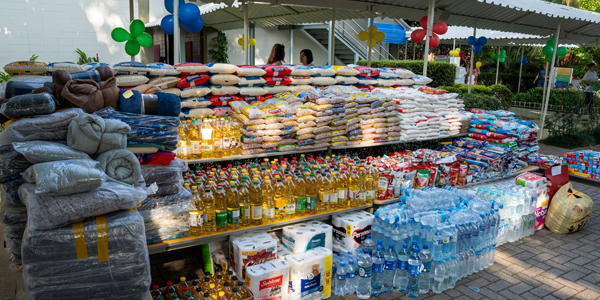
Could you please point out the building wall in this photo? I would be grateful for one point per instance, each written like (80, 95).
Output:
(53, 29)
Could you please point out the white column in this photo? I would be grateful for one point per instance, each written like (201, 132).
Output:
(331, 42)
(246, 33)
(551, 79)
(176, 36)
(521, 69)
(291, 59)
(369, 43)
(498, 64)
(429, 33)
(472, 56)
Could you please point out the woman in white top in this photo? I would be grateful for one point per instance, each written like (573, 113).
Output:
(590, 78)
(460, 73)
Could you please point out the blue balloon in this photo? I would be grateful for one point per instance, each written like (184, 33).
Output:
(189, 13)
(482, 40)
(194, 27)
(169, 5)
(471, 40)
(166, 24)
(477, 48)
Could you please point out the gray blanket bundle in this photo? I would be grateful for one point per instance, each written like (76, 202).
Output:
(50, 127)
(121, 165)
(42, 151)
(65, 177)
(94, 135)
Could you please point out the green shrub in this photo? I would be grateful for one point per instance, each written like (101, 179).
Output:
(442, 73)
(462, 88)
(503, 93)
(557, 97)
(511, 80)
(481, 101)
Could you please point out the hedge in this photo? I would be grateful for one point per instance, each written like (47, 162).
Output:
(500, 91)
(511, 80)
(557, 97)
(442, 73)
(481, 101)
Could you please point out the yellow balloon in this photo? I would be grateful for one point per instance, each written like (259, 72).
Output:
(478, 64)
(456, 52)
(374, 28)
(379, 36)
(363, 35)
(252, 42)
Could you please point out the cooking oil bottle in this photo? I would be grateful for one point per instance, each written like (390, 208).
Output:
(207, 139)
(323, 193)
(218, 139)
(196, 217)
(371, 185)
(353, 189)
(183, 146)
(244, 196)
(233, 207)
(300, 195)
(333, 191)
(194, 140)
(256, 203)
(311, 194)
(226, 129)
(268, 209)
(208, 205)
(221, 209)
(280, 199)
(342, 187)
(363, 187)
(290, 206)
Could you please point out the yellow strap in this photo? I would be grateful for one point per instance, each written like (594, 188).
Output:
(102, 233)
(80, 245)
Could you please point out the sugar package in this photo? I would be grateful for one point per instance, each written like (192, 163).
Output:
(269, 281)
(303, 237)
(310, 274)
(251, 249)
(351, 229)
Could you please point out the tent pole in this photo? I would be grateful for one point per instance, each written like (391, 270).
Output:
(498, 64)
(370, 40)
(453, 48)
(429, 32)
(331, 46)
(551, 79)
(414, 50)
(544, 88)
(247, 34)
(472, 56)
(131, 16)
(291, 59)
(521, 69)
(405, 48)
(176, 34)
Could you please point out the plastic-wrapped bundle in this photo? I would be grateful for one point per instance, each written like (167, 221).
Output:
(9, 192)
(15, 230)
(138, 120)
(29, 105)
(166, 211)
(58, 259)
(172, 227)
(121, 165)
(11, 215)
(12, 164)
(94, 135)
(156, 202)
(162, 174)
(169, 188)
(44, 127)
(65, 177)
(43, 151)
(150, 136)
(45, 212)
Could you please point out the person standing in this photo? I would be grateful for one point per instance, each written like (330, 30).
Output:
(541, 76)
(460, 73)
(589, 79)
(473, 73)
(306, 58)
(277, 55)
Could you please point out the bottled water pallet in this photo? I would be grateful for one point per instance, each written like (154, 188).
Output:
(394, 142)
(192, 241)
(238, 157)
(516, 173)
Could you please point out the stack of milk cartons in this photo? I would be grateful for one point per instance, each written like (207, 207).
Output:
(251, 249)
(350, 230)
(303, 237)
(269, 281)
(310, 274)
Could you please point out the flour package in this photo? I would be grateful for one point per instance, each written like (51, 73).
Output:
(351, 229)
(303, 237)
(310, 274)
(251, 249)
(269, 281)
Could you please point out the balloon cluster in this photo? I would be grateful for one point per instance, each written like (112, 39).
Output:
(455, 52)
(502, 55)
(189, 17)
(477, 43)
(438, 28)
(548, 50)
(136, 39)
(251, 42)
(378, 36)
(523, 60)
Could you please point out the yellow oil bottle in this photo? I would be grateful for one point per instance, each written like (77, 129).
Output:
(226, 137)
(218, 139)
(194, 140)
(221, 209)
(256, 203)
(322, 193)
(244, 196)
(233, 207)
(281, 194)
(196, 217)
(300, 195)
(353, 189)
(371, 184)
(290, 206)
(268, 209)
(333, 191)
(206, 131)
(363, 187)
(208, 205)
(183, 146)
(311, 194)
(342, 187)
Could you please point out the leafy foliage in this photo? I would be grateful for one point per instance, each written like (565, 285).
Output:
(34, 57)
(4, 77)
(510, 80)
(481, 101)
(441, 73)
(489, 97)
(219, 54)
(84, 59)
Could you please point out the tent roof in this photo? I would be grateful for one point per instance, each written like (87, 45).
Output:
(498, 38)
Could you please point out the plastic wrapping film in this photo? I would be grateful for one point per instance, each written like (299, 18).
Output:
(169, 188)
(165, 211)
(121, 165)
(66, 176)
(9, 192)
(12, 164)
(11, 215)
(164, 174)
(168, 137)
(99, 258)
(156, 202)
(138, 120)
(46, 212)
(44, 127)
(29, 105)
(172, 227)
(43, 151)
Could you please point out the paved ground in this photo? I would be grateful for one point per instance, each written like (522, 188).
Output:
(543, 266)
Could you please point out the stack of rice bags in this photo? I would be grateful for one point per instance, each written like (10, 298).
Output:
(103, 255)
(373, 108)
(192, 90)
(166, 212)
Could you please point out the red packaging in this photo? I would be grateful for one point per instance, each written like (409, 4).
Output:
(478, 136)
(367, 72)
(278, 80)
(276, 70)
(223, 100)
(192, 80)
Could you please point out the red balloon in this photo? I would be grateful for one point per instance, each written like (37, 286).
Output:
(418, 35)
(462, 55)
(440, 28)
(434, 41)
(423, 22)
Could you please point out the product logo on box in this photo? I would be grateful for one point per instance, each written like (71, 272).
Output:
(311, 285)
(338, 232)
(360, 235)
(316, 241)
(277, 281)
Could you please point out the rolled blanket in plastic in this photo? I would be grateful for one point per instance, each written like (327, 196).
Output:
(50, 127)
(29, 105)
(140, 121)
(43, 151)
(65, 177)
(46, 212)
(162, 104)
(100, 258)
(94, 135)
(12, 163)
(163, 174)
(9, 192)
(121, 165)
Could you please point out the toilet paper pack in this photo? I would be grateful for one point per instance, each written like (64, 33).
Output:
(351, 229)
(269, 281)
(310, 274)
(303, 237)
(251, 249)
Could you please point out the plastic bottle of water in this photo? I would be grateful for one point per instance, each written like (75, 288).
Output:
(452, 275)
(460, 270)
(425, 256)
(340, 280)
(397, 237)
(368, 244)
(414, 271)
(446, 275)
(378, 262)
(365, 265)
(438, 277)
(351, 278)
(401, 278)
(375, 225)
(334, 264)
(389, 269)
